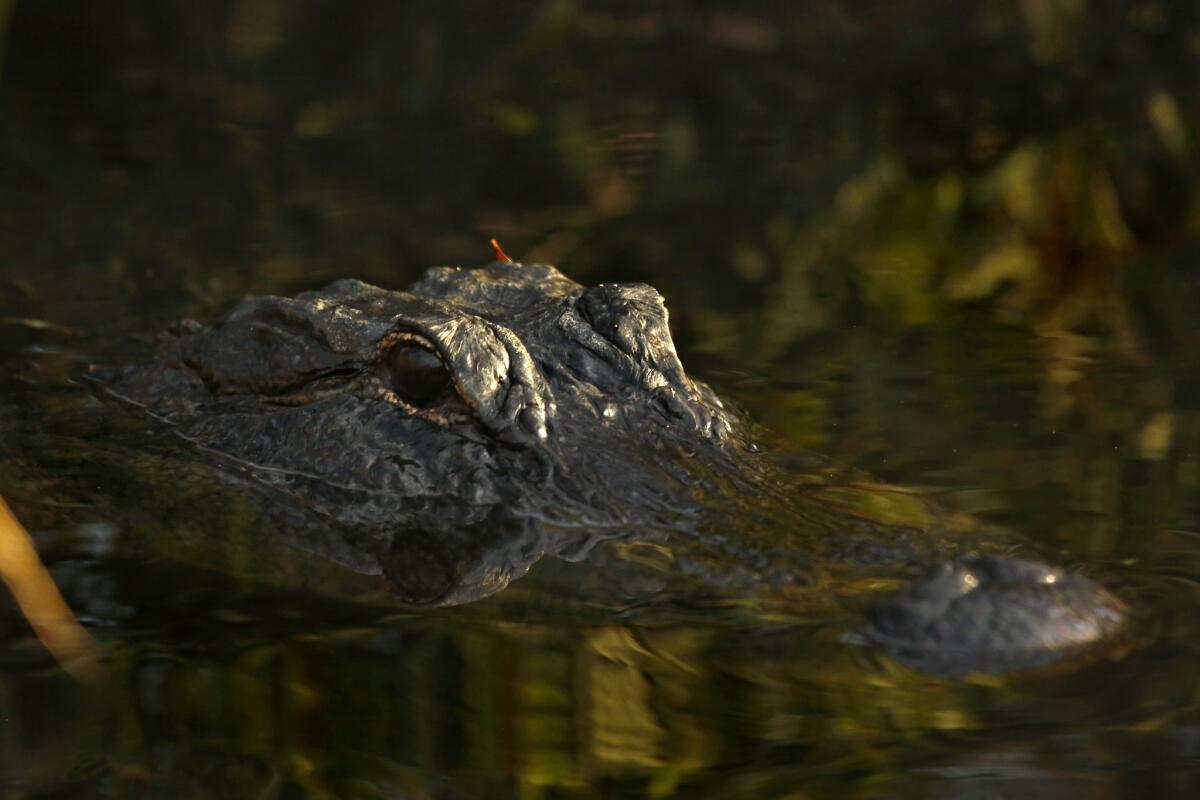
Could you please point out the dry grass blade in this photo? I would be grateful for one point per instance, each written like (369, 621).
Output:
(39, 600)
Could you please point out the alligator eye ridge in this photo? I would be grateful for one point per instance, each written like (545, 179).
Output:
(416, 373)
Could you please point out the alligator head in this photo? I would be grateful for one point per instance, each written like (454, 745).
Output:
(449, 435)
(440, 432)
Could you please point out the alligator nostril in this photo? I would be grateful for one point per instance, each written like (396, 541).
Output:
(995, 614)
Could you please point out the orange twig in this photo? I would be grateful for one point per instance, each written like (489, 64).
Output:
(32, 587)
(500, 254)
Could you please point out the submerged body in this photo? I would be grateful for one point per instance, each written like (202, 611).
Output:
(448, 436)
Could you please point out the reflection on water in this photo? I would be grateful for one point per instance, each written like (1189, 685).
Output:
(950, 244)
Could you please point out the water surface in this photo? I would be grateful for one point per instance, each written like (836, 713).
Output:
(952, 245)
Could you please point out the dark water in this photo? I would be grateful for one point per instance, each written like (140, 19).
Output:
(954, 245)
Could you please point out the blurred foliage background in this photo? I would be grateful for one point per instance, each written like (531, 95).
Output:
(954, 243)
(940, 239)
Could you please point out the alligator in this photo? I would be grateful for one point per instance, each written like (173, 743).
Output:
(446, 437)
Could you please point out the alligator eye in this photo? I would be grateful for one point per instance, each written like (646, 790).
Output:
(417, 375)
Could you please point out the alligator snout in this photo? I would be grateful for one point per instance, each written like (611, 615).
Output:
(995, 614)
